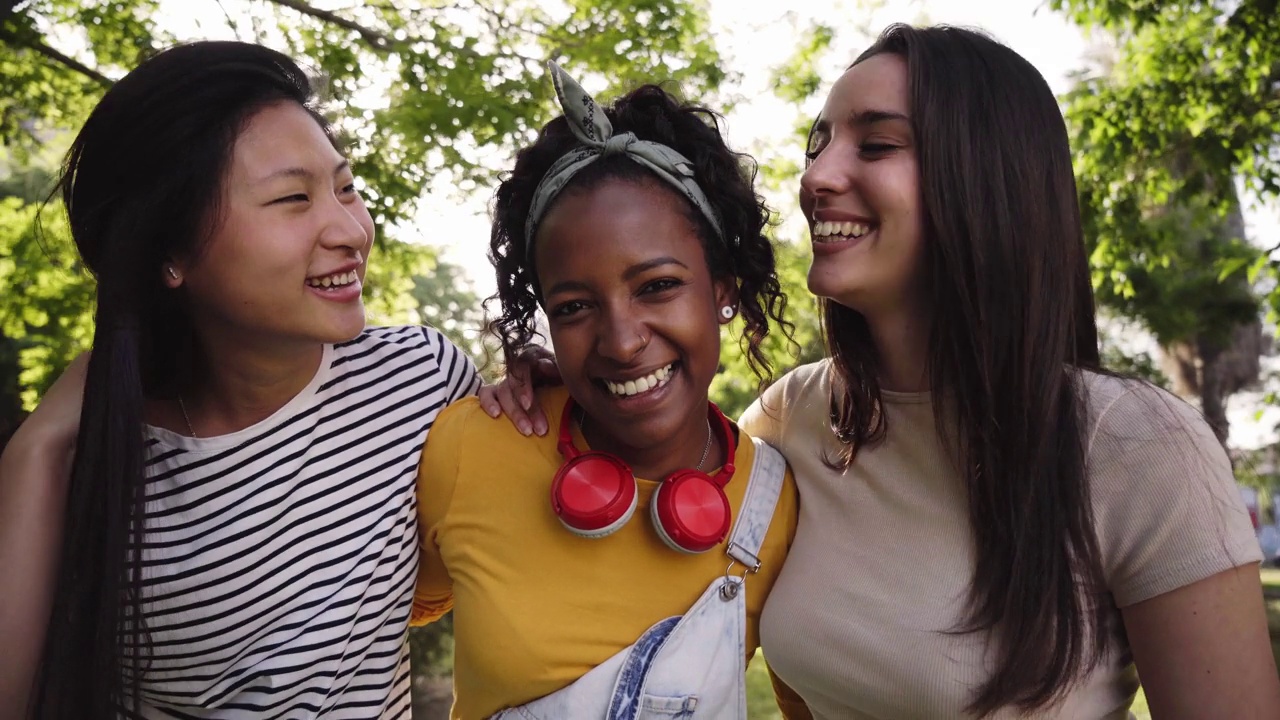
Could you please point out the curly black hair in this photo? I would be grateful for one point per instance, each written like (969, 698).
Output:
(727, 179)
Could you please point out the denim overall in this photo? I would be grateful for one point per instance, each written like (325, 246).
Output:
(690, 666)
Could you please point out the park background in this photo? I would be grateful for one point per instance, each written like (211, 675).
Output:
(1173, 107)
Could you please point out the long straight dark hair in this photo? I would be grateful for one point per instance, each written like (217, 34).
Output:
(1013, 324)
(142, 185)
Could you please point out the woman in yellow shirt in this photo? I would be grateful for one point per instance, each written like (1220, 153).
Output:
(638, 232)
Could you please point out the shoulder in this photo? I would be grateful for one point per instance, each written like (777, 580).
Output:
(1125, 413)
(806, 379)
(803, 389)
(1167, 511)
(464, 428)
(382, 342)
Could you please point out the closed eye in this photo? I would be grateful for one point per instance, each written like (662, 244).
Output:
(875, 149)
(299, 197)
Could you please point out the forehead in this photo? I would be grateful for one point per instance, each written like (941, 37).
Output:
(605, 229)
(280, 136)
(877, 83)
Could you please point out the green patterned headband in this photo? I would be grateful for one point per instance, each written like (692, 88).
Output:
(595, 133)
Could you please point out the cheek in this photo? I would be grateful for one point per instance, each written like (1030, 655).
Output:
(570, 346)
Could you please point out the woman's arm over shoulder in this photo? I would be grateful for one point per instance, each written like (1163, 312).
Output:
(438, 473)
(35, 470)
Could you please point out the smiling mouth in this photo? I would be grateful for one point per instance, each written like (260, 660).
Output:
(641, 385)
(831, 232)
(334, 281)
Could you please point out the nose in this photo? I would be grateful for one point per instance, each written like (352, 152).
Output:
(622, 336)
(342, 226)
(827, 174)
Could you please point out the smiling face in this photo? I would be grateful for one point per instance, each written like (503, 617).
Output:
(634, 317)
(860, 191)
(286, 262)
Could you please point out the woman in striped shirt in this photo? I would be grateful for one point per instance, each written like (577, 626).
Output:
(235, 536)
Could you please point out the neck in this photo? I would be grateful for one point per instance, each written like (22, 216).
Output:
(241, 382)
(682, 452)
(901, 337)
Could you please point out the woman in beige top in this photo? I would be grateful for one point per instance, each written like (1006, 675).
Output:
(990, 525)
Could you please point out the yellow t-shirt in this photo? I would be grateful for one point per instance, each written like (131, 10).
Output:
(536, 607)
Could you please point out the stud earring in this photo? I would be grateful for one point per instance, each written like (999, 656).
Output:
(727, 312)
(172, 273)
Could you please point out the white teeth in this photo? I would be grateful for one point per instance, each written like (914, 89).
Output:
(653, 380)
(826, 231)
(335, 280)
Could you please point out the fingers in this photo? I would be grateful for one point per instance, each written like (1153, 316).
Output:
(503, 399)
(488, 396)
(519, 378)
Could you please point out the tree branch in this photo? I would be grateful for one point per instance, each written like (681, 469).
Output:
(64, 60)
(377, 39)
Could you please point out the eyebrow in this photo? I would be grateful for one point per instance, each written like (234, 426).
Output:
(870, 117)
(647, 265)
(628, 274)
(863, 118)
(300, 172)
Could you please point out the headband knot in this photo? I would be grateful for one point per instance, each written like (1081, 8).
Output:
(617, 145)
(596, 140)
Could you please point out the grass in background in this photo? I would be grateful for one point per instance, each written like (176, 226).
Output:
(760, 702)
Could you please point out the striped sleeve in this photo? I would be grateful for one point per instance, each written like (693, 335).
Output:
(460, 375)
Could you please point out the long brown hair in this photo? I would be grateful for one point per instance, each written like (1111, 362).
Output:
(1013, 323)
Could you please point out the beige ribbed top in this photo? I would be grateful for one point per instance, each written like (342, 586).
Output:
(883, 556)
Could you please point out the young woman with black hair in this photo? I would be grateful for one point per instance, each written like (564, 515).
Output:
(587, 569)
(236, 534)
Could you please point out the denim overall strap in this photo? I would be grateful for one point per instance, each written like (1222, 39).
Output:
(763, 488)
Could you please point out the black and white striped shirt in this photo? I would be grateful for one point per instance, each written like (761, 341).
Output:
(279, 561)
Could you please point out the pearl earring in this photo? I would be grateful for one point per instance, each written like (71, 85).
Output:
(727, 312)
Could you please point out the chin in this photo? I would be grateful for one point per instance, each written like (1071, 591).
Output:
(343, 330)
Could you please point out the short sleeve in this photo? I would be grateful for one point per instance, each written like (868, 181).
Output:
(1166, 505)
(764, 417)
(456, 368)
(437, 479)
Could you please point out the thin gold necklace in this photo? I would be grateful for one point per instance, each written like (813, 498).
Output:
(183, 407)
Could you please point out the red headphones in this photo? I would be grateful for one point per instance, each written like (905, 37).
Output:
(594, 493)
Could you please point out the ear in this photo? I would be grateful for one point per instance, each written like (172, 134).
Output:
(171, 275)
(726, 290)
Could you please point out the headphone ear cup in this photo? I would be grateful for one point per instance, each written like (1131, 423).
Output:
(594, 494)
(607, 530)
(690, 512)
